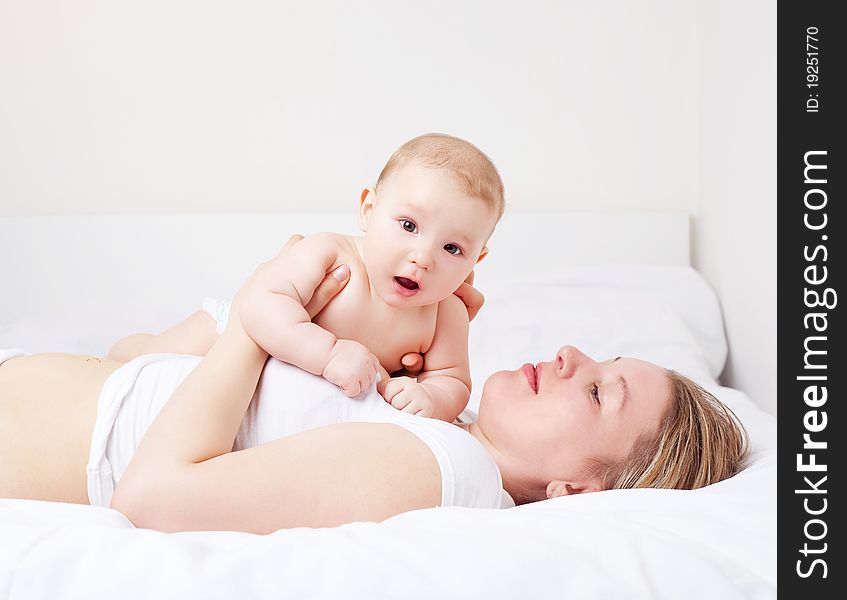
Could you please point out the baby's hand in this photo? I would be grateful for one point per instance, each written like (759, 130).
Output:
(351, 367)
(407, 395)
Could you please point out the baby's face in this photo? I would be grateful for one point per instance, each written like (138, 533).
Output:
(423, 235)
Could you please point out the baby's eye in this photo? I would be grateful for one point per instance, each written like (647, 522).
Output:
(453, 249)
(595, 393)
(408, 225)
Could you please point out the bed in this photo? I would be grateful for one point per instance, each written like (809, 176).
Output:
(610, 283)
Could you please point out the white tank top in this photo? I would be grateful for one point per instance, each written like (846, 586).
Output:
(288, 400)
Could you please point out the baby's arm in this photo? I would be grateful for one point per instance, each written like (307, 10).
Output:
(277, 320)
(443, 388)
(196, 334)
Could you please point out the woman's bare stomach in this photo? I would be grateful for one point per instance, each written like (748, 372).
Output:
(48, 405)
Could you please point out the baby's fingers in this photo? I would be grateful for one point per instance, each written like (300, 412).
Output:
(370, 373)
(382, 382)
(394, 386)
(352, 389)
(391, 388)
(394, 393)
(412, 408)
(401, 402)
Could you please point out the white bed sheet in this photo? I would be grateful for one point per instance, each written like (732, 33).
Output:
(717, 542)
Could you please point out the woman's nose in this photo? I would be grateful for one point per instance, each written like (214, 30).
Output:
(568, 360)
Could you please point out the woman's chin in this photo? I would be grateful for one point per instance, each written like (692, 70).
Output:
(495, 389)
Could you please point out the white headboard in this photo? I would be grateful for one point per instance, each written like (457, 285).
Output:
(99, 271)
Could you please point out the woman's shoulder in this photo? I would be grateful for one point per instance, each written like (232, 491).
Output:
(469, 475)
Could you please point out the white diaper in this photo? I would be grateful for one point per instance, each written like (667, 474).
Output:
(10, 353)
(131, 398)
(219, 311)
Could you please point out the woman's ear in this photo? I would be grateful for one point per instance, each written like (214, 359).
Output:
(482, 254)
(558, 488)
(367, 201)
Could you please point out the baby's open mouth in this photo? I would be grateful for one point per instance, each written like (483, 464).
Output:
(406, 283)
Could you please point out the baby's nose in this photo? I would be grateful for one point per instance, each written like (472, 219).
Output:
(422, 257)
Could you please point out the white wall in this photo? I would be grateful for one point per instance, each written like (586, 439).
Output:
(113, 106)
(735, 223)
(196, 105)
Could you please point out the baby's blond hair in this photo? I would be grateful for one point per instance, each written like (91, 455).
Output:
(471, 168)
(699, 442)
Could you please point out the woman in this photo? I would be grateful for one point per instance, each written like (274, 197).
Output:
(566, 426)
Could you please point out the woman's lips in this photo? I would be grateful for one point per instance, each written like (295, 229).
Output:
(531, 376)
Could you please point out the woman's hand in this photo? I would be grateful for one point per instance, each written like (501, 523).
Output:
(331, 285)
(471, 296)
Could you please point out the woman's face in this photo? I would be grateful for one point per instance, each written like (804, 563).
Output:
(549, 419)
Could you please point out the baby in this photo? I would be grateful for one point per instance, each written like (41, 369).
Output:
(425, 223)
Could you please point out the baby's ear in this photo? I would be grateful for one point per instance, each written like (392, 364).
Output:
(367, 201)
(482, 254)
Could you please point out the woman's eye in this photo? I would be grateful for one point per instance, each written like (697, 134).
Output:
(408, 225)
(595, 393)
(453, 249)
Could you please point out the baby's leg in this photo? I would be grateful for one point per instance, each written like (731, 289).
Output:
(195, 335)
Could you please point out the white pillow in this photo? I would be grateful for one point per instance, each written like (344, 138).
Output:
(667, 315)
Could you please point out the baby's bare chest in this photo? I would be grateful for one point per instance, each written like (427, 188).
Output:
(386, 331)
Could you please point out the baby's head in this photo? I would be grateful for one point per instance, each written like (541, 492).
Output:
(428, 218)
(473, 171)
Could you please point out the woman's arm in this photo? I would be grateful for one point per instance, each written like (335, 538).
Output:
(319, 478)
(184, 476)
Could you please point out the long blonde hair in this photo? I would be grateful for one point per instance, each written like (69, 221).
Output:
(698, 442)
